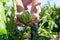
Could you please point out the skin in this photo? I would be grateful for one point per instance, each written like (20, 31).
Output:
(32, 6)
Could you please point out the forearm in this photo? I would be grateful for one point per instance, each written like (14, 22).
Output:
(19, 2)
(35, 2)
(35, 9)
(20, 7)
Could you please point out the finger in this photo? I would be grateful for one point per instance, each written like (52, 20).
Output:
(31, 24)
(34, 23)
(23, 25)
(18, 23)
(15, 19)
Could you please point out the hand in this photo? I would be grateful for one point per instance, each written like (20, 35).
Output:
(20, 24)
(33, 22)
(16, 19)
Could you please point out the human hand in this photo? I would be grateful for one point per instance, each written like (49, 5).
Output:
(16, 20)
(33, 22)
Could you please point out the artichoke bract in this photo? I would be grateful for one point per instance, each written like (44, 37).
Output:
(25, 17)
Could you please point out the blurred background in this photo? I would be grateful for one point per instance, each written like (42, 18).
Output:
(49, 26)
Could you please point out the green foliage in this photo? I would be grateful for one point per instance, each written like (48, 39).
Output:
(2, 19)
(49, 20)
